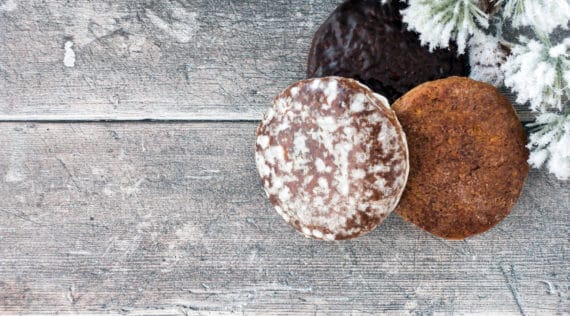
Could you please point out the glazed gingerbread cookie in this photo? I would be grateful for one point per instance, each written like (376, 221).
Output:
(366, 40)
(468, 159)
(332, 157)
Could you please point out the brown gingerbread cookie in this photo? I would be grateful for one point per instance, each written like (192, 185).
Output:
(332, 157)
(367, 40)
(468, 159)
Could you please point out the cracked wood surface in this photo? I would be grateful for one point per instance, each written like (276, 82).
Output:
(170, 219)
(131, 59)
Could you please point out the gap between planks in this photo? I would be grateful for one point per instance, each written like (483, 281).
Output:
(525, 117)
(126, 119)
(252, 114)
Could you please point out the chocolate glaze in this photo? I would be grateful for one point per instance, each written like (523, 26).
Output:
(367, 41)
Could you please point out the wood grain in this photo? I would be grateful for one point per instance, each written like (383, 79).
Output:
(169, 219)
(162, 60)
(219, 59)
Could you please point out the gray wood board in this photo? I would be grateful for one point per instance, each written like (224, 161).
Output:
(169, 218)
(182, 60)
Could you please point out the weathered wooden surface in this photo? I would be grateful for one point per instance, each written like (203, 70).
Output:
(215, 59)
(168, 218)
(149, 59)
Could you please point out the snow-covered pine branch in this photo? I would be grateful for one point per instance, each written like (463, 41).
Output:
(539, 73)
(439, 21)
(550, 144)
(543, 15)
(486, 52)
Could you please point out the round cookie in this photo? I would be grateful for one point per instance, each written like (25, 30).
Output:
(332, 157)
(367, 41)
(468, 158)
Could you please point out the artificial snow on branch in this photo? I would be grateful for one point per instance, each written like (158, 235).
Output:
(485, 53)
(543, 15)
(439, 21)
(549, 144)
(539, 73)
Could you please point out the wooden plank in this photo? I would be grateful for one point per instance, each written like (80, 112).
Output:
(169, 219)
(146, 59)
(133, 60)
